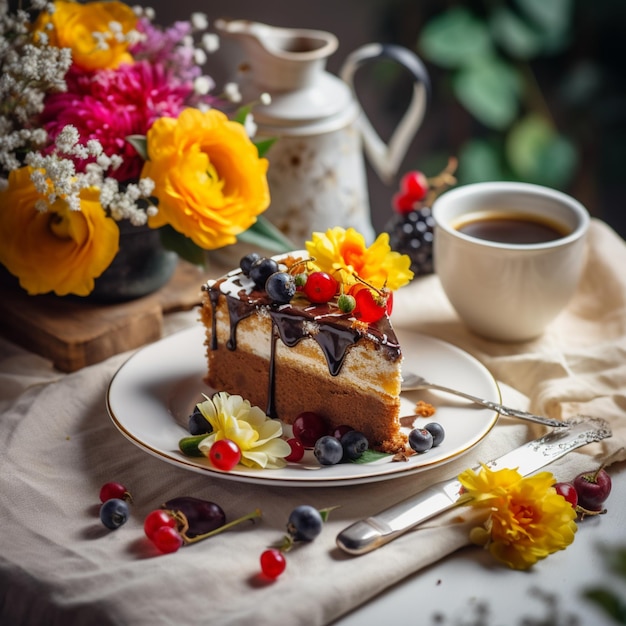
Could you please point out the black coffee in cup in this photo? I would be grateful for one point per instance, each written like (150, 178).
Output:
(508, 227)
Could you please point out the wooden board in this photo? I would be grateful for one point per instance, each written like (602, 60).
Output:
(74, 333)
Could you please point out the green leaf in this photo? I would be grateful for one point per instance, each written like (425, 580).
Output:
(479, 161)
(489, 89)
(454, 38)
(140, 144)
(325, 512)
(553, 20)
(184, 247)
(524, 143)
(265, 235)
(514, 35)
(369, 456)
(557, 163)
(537, 153)
(553, 16)
(242, 113)
(263, 145)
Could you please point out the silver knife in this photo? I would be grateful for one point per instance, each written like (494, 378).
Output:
(371, 533)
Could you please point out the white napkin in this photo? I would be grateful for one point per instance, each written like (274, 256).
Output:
(59, 565)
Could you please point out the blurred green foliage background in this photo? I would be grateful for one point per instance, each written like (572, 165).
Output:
(530, 90)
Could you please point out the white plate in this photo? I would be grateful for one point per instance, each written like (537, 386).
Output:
(152, 394)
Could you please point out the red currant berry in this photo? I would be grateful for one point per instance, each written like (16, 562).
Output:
(320, 287)
(225, 454)
(155, 520)
(370, 307)
(297, 450)
(167, 539)
(112, 490)
(415, 185)
(568, 491)
(273, 563)
(403, 203)
(308, 427)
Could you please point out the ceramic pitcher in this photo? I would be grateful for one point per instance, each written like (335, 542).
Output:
(317, 172)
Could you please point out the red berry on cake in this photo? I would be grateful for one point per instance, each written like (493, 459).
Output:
(320, 287)
(370, 306)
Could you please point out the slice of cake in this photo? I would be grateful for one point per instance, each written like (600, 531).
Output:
(326, 347)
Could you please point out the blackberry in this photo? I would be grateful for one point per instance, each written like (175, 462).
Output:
(411, 233)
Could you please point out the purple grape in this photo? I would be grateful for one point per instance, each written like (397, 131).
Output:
(203, 516)
(198, 424)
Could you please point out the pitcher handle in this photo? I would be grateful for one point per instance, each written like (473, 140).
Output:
(386, 159)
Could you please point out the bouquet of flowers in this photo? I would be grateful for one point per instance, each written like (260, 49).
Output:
(104, 117)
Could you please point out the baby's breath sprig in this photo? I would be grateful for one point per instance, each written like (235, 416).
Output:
(28, 70)
(55, 177)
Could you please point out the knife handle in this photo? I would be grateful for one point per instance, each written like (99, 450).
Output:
(372, 532)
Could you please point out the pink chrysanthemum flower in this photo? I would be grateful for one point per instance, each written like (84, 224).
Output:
(113, 104)
(165, 46)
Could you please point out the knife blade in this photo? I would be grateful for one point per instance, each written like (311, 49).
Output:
(373, 532)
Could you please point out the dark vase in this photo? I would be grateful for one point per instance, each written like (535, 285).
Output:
(141, 267)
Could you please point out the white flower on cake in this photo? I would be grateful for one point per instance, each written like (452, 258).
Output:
(258, 436)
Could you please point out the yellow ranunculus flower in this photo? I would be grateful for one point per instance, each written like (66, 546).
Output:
(58, 250)
(527, 519)
(258, 436)
(343, 253)
(210, 182)
(74, 25)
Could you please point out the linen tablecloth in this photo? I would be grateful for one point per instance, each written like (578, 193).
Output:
(59, 565)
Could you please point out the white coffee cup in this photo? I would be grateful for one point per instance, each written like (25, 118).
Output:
(508, 291)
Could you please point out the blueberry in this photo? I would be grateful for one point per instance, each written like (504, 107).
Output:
(198, 424)
(261, 270)
(114, 513)
(437, 431)
(354, 444)
(328, 450)
(280, 287)
(248, 261)
(305, 523)
(420, 440)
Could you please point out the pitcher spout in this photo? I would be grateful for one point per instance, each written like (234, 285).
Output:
(280, 59)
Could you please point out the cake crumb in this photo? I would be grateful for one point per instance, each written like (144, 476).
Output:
(400, 457)
(424, 409)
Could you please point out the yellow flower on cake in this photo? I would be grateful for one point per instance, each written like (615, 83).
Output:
(68, 248)
(98, 33)
(343, 253)
(527, 520)
(258, 437)
(212, 184)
